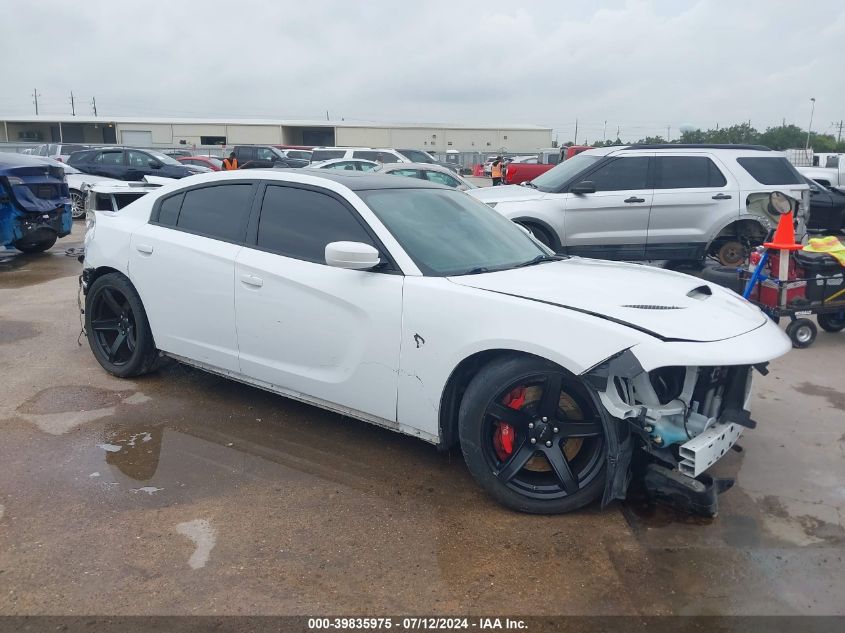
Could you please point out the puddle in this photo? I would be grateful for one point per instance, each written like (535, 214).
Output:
(834, 397)
(135, 454)
(72, 398)
(57, 410)
(13, 331)
(203, 535)
(642, 513)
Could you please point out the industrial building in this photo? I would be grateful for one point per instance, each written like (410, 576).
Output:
(175, 132)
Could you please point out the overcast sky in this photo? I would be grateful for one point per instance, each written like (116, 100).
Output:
(641, 65)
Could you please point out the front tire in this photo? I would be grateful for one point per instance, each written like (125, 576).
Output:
(802, 332)
(118, 331)
(532, 436)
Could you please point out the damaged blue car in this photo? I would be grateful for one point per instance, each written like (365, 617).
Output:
(35, 205)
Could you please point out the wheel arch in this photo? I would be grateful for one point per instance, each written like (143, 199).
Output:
(542, 224)
(457, 383)
(748, 225)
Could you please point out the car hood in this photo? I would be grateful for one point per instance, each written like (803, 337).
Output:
(662, 303)
(508, 193)
(75, 181)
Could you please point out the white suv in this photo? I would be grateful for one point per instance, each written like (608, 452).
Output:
(364, 153)
(655, 202)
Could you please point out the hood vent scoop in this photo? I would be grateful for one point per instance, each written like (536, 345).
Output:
(700, 293)
(652, 307)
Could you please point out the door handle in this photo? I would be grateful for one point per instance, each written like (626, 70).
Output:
(252, 280)
(634, 199)
(721, 196)
(144, 248)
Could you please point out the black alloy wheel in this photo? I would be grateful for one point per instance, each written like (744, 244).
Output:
(533, 437)
(116, 323)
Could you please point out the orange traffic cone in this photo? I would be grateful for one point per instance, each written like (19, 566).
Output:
(784, 237)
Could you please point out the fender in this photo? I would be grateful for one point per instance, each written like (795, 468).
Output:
(556, 245)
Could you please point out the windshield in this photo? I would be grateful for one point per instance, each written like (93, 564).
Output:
(416, 156)
(554, 179)
(446, 232)
(163, 158)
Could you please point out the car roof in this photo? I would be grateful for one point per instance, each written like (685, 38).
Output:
(430, 166)
(679, 147)
(9, 160)
(335, 161)
(364, 180)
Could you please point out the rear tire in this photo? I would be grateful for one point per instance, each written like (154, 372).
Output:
(833, 322)
(564, 467)
(36, 245)
(541, 234)
(117, 327)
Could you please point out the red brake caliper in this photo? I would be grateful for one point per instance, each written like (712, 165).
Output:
(504, 435)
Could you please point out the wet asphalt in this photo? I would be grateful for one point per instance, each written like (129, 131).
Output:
(184, 493)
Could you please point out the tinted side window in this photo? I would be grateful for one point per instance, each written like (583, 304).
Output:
(299, 223)
(244, 154)
(687, 172)
(775, 170)
(442, 179)
(109, 158)
(621, 174)
(219, 211)
(168, 211)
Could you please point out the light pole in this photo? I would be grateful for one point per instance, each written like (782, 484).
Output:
(810, 127)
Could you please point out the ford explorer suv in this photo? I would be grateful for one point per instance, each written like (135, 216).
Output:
(668, 202)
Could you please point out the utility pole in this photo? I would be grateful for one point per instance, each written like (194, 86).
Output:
(72, 105)
(327, 116)
(604, 134)
(810, 127)
(35, 96)
(94, 105)
(617, 132)
(839, 135)
(668, 133)
(575, 140)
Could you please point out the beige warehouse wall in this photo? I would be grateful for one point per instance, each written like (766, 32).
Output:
(363, 136)
(253, 134)
(418, 138)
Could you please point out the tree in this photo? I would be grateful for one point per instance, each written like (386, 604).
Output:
(783, 137)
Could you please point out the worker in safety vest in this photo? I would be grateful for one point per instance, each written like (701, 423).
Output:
(231, 162)
(496, 171)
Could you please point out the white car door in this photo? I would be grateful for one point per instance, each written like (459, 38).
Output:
(330, 334)
(693, 199)
(183, 264)
(611, 223)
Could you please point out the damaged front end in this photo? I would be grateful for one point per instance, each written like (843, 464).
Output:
(683, 419)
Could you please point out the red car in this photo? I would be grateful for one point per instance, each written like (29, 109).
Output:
(516, 173)
(214, 164)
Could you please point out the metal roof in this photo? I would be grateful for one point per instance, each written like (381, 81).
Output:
(65, 118)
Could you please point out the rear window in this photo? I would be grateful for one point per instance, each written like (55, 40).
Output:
(122, 199)
(218, 212)
(774, 170)
(326, 154)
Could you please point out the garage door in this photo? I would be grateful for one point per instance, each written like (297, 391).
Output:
(136, 138)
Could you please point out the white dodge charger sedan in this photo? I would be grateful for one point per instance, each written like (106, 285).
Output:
(415, 307)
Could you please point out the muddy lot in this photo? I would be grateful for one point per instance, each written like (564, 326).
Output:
(183, 493)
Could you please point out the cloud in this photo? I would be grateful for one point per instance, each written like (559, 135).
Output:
(641, 65)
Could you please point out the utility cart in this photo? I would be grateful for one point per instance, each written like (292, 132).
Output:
(807, 283)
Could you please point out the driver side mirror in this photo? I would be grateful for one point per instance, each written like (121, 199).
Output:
(154, 164)
(583, 187)
(352, 255)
